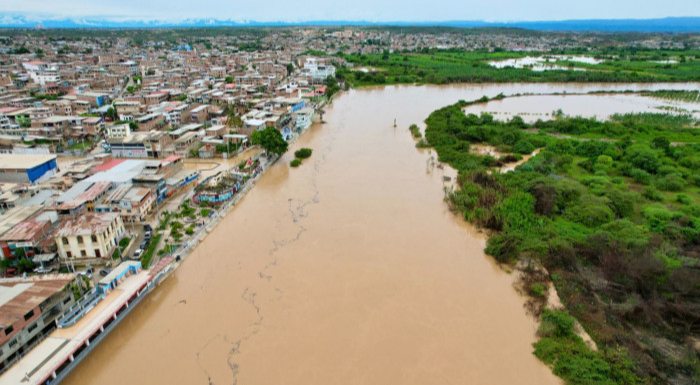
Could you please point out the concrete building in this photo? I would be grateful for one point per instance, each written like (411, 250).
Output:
(151, 144)
(118, 131)
(42, 73)
(28, 308)
(22, 168)
(89, 236)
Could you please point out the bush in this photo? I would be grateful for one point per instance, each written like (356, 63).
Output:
(422, 144)
(189, 230)
(415, 131)
(523, 147)
(640, 176)
(295, 163)
(683, 199)
(653, 194)
(205, 212)
(538, 290)
(303, 153)
(671, 182)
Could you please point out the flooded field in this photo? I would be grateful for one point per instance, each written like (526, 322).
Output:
(534, 107)
(347, 270)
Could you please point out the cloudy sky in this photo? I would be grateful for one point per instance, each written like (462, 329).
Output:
(354, 10)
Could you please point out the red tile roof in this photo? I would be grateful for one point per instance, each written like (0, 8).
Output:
(108, 165)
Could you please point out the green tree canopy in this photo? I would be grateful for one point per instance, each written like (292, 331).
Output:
(271, 140)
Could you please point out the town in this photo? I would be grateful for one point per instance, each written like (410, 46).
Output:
(119, 150)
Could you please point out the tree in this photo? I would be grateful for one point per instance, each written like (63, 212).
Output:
(111, 113)
(133, 126)
(290, 69)
(271, 140)
(25, 265)
(229, 79)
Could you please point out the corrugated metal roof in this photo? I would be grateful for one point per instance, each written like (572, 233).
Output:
(87, 224)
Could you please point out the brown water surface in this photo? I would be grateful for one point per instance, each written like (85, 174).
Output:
(347, 270)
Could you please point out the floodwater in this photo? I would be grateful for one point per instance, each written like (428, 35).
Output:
(347, 270)
(601, 106)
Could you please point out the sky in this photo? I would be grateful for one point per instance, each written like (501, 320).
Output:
(354, 10)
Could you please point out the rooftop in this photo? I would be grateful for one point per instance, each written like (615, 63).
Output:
(18, 296)
(25, 230)
(87, 224)
(23, 161)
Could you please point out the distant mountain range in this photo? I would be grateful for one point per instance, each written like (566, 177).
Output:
(670, 24)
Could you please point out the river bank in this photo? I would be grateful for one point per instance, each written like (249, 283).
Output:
(349, 269)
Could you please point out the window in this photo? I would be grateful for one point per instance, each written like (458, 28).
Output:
(94, 238)
(80, 239)
(31, 327)
(83, 253)
(66, 300)
(8, 330)
(65, 240)
(13, 342)
(29, 315)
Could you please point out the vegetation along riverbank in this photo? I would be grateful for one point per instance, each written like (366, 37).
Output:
(436, 66)
(615, 222)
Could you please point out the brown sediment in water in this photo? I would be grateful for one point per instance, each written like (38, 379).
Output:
(349, 269)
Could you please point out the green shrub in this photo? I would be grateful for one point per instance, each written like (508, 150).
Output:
(683, 199)
(523, 147)
(295, 163)
(640, 176)
(422, 143)
(415, 131)
(303, 153)
(189, 230)
(671, 182)
(653, 194)
(205, 212)
(538, 290)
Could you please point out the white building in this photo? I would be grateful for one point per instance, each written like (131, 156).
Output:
(42, 73)
(118, 131)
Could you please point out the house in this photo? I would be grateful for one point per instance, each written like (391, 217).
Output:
(118, 131)
(186, 142)
(151, 122)
(28, 310)
(93, 126)
(96, 99)
(92, 235)
(151, 144)
(199, 114)
(136, 204)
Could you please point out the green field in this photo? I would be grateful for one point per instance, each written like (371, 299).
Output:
(442, 67)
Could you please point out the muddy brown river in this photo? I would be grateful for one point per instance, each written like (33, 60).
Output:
(347, 270)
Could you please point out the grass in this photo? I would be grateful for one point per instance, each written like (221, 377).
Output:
(80, 146)
(148, 254)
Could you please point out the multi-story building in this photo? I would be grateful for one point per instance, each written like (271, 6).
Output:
(42, 73)
(118, 131)
(28, 310)
(92, 235)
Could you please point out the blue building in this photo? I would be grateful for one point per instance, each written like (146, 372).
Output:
(27, 168)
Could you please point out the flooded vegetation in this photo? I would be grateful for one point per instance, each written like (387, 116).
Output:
(612, 221)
